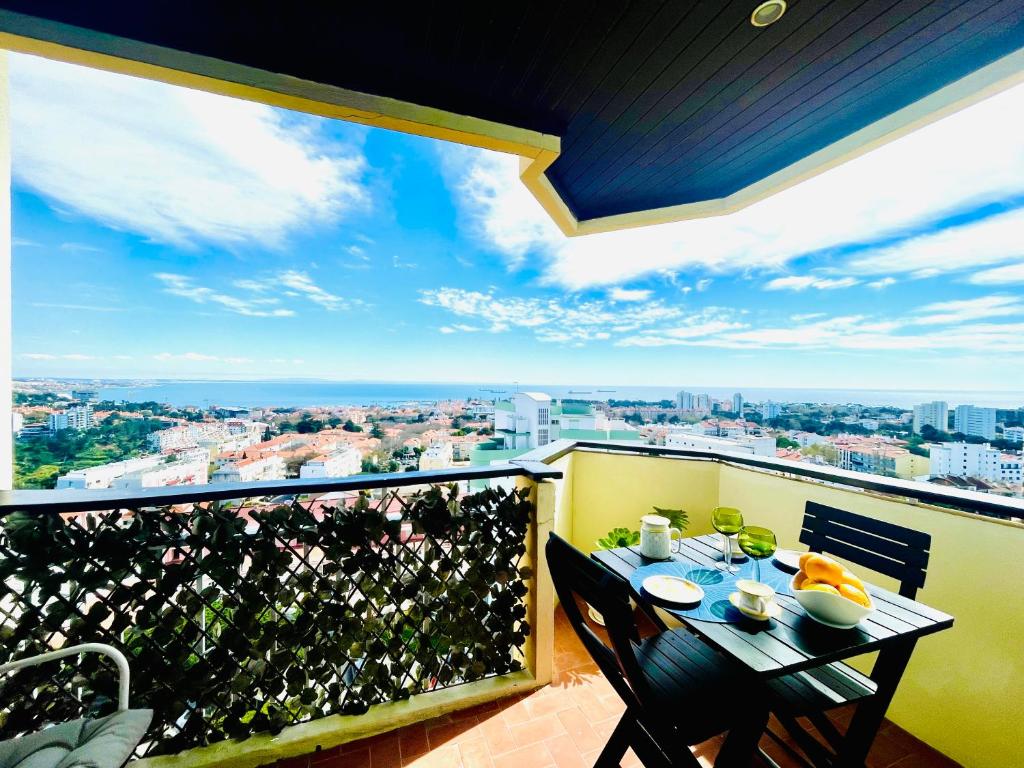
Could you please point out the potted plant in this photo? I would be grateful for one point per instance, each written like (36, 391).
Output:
(625, 537)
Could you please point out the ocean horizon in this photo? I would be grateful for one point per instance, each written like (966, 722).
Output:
(306, 393)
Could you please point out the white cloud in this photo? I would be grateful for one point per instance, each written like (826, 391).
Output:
(173, 164)
(884, 282)
(185, 287)
(979, 243)
(966, 310)
(39, 356)
(302, 284)
(629, 294)
(703, 285)
(884, 193)
(803, 282)
(190, 356)
(1012, 273)
(549, 320)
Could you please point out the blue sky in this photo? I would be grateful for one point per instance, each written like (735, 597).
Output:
(161, 232)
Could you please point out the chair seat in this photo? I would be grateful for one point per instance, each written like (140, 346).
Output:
(107, 742)
(815, 690)
(679, 667)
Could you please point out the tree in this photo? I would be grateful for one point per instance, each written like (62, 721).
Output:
(825, 451)
(351, 426)
(377, 431)
(784, 442)
(334, 422)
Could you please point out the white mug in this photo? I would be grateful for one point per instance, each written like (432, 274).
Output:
(656, 537)
(755, 596)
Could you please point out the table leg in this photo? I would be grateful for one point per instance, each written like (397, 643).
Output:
(888, 671)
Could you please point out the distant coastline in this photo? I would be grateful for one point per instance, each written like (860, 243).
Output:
(308, 393)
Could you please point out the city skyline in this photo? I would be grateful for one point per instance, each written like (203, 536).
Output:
(166, 233)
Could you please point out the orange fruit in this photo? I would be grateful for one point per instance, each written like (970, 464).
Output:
(804, 558)
(821, 568)
(857, 595)
(817, 586)
(799, 579)
(853, 581)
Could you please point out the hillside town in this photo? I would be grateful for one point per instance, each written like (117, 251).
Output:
(966, 447)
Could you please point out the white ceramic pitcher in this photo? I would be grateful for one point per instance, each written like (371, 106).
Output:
(656, 537)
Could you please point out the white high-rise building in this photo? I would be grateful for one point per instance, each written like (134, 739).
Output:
(1014, 434)
(969, 420)
(77, 417)
(934, 414)
(737, 404)
(526, 421)
(965, 460)
(685, 401)
(703, 402)
(770, 410)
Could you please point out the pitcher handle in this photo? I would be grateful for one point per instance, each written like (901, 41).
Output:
(678, 543)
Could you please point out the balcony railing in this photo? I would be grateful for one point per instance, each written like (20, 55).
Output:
(312, 605)
(251, 608)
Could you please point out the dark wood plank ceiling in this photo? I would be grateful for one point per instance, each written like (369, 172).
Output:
(657, 102)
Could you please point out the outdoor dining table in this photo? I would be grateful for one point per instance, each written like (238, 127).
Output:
(794, 642)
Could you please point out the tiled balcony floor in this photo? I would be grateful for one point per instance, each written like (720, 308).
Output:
(564, 725)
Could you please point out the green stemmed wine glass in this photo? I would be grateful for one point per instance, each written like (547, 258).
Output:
(728, 521)
(758, 543)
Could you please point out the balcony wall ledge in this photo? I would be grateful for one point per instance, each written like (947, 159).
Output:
(998, 509)
(335, 730)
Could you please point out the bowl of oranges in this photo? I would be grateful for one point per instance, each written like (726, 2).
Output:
(829, 593)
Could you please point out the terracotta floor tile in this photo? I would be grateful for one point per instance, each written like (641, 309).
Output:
(579, 730)
(454, 732)
(357, 759)
(412, 740)
(475, 753)
(551, 704)
(537, 730)
(497, 735)
(447, 756)
(566, 754)
(386, 753)
(534, 756)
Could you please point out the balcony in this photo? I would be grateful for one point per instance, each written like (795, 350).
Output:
(314, 616)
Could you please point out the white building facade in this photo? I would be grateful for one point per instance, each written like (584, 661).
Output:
(934, 414)
(436, 456)
(1014, 434)
(251, 470)
(965, 460)
(758, 446)
(980, 422)
(78, 417)
(341, 463)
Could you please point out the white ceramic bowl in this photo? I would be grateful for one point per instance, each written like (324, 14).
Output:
(831, 610)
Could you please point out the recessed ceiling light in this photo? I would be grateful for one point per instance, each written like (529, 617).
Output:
(768, 13)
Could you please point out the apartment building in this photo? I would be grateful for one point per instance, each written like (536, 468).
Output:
(251, 470)
(1013, 434)
(77, 417)
(737, 404)
(966, 460)
(340, 463)
(934, 414)
(758, 446)
(970, 420)
(108, 475)
(194, 472)
(770, 410)
(436, 456)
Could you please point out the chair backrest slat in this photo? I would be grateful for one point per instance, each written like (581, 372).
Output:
(886, 548)
(576, 575)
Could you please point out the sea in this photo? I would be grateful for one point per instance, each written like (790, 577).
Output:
(306, 393)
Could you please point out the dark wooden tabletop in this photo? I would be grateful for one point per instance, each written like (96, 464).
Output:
(794, 641)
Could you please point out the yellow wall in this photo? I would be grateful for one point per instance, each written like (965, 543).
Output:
(610, 490)
(961, 685)
(910, 466)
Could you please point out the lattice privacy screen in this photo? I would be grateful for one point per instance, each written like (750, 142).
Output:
(240, 617)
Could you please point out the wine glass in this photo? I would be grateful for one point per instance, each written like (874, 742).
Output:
(728, 521)
(758, 543)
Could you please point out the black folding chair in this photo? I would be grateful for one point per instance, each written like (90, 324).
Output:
(885, 548)
(678, 691)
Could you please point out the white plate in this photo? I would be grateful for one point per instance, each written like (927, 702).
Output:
(673, 589)
(774, 609)
(788, 559)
